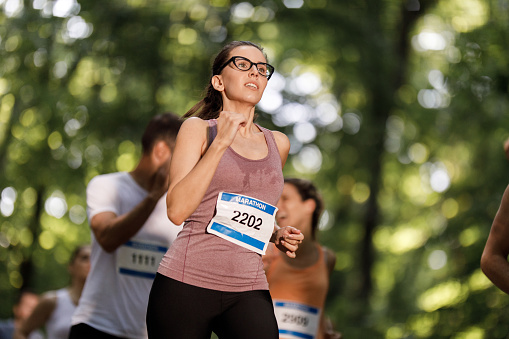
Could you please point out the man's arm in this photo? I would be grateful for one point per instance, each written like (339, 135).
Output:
(494, 258)
(111, 230)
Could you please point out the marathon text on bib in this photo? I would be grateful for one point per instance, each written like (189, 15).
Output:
(295, 320)
(244, 221)
(140, 259)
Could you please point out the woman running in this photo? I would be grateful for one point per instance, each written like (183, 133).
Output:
(225, 180)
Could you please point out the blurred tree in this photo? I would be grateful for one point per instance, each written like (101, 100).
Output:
(397, 109)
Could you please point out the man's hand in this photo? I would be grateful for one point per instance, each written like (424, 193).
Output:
(287, 239)
(160, 181)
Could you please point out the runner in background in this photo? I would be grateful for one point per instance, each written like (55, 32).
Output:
(299, 286)
(55, 308)
(130, 233)
(22, 308)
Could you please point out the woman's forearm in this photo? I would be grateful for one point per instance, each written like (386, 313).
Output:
(186, 195)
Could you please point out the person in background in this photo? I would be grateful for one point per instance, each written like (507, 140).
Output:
(225, 178)
(22, 308)
(130, 234)
(299, 286)
(494, 262)
(55, 308)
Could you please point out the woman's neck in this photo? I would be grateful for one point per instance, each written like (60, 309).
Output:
(306, 255)
(243, 108)
(248, 111)
(75, 289)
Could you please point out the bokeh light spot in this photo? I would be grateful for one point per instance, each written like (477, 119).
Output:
(47, 240)
(437, 259)
(445, 294)
(187, 36)
(15, 279)
(439, 180)
(56, 206)
(418, 153)
(26, 237)
(293, 3)
(308, 160)
(55, 140)
(450, 208)
(469, 236)
(125, 162)
(305, 132)
(77, 214)
(360, 192)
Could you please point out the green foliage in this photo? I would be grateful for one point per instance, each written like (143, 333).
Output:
(396, 109)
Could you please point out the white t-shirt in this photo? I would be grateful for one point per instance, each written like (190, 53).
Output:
(59, 323)
(115, 297)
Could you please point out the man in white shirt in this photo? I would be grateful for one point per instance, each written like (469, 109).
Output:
(130, 233)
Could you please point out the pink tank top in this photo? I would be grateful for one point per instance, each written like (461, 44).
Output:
(202, 259)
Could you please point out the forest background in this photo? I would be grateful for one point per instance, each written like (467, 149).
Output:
(396, 109)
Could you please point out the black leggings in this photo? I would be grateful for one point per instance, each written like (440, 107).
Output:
(84, 331)
(181, 311)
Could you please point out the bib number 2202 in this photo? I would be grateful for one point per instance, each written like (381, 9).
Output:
(247, 219)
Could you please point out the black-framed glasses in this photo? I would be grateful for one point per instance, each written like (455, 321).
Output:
(244, 64)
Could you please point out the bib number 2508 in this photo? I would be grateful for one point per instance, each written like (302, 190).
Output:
(247, 219)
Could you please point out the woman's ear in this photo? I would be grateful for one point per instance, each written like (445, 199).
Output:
(217, 83)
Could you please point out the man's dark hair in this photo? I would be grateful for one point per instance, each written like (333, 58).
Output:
(307, 190)
(161, 127)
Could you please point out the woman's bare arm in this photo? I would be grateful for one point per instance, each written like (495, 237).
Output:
(193, 164)
(494, 258)
(283, 145)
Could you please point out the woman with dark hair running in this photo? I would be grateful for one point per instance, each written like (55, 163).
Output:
(300, 309)
(225, 180)
(55, 308)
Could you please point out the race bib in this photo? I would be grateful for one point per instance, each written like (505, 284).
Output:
(244, 221)
(140, 259)
(295, 320)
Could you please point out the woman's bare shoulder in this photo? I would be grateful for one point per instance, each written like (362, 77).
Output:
(283, 144)
(192, 136)
(281, 138)
(193, 128)
(194, 122)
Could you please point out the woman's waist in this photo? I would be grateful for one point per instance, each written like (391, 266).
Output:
(201, 253)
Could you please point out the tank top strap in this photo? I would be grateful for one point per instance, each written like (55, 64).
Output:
(271, 141)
